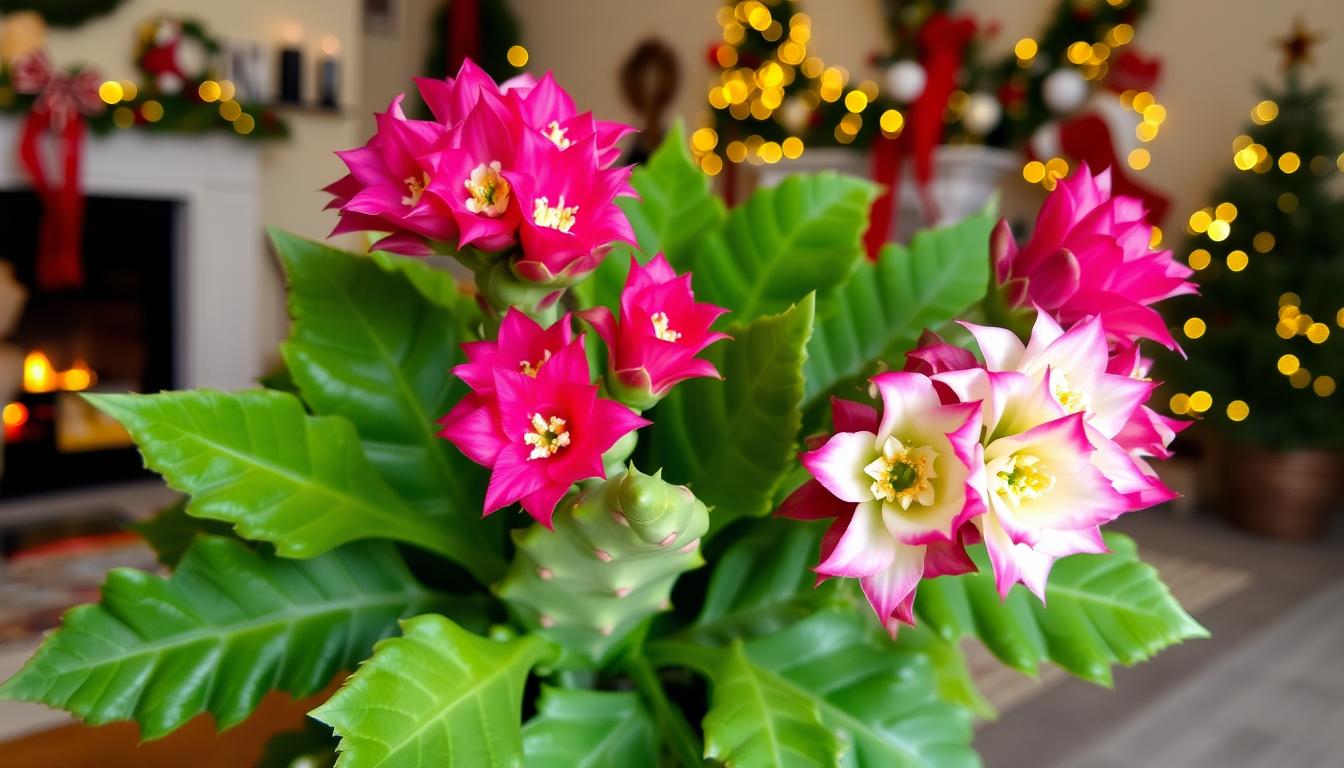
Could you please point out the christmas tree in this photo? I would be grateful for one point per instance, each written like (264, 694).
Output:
(1266, 336)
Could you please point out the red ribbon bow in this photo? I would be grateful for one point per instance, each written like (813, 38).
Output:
(62, 102)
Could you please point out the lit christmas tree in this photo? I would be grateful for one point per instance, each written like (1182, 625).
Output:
(1266, 337)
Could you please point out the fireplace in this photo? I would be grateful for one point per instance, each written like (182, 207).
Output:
(173, 262)
(113, 333)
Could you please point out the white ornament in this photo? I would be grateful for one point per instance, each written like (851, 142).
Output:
(905, 81)
(982, 113)
(166, 31)
(794, 114)
(191, 58)
(169, 83)
(1064, 90)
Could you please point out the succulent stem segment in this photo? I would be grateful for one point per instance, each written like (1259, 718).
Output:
(617, 548)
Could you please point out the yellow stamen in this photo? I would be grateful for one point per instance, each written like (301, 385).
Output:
(415, 187)
(1025, 478)
(556, 134)
(487, 190)
(661, 327)
(546, 437)
(1073, 400)
(901, 475)
(531, 370)
(556, 217)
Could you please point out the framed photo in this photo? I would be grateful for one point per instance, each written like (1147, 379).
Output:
(381, 17)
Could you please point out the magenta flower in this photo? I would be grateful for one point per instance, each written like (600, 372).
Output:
(548, 109)
(1090, 255)
(539, 432)
(467, 175)
(900, 487)
(384, 191)
(662, 329)
(452, 98)
(568, 210)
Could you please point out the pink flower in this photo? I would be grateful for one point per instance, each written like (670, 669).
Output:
(536, 420)
(452, 98)
(568, 210)
(1090, 255)
(384, 191)
(661, 330)
(467, 175)
(900, 487)
(549, 110)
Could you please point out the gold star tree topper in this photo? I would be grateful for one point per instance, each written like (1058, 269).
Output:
(1297, 45)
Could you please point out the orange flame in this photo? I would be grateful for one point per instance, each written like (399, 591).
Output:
(38, 375)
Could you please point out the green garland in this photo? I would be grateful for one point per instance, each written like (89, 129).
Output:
(64, 13)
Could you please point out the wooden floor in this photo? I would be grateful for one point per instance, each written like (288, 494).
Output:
(1278, 702)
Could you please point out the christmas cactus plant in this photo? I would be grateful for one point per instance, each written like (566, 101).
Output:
(578, 514)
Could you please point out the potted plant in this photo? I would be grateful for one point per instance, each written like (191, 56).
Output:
(1265, 335)
(660, 491)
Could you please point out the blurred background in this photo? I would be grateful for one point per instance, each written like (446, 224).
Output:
(146, 144)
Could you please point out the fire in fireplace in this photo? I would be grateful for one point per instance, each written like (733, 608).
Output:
(112, 333)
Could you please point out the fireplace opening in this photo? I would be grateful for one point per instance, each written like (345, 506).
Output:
(112, 333)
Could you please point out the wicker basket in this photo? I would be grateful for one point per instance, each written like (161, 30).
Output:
(1282, 494)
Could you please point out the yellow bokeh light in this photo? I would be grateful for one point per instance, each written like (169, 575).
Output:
(1245, 159)
(1180, 404)
(1199, 222)
(1300, 378)
(1080, 52)
(726, 56)
(1285, 329)
(1288, 299)
(111, 92)
(1226, 211)
(1121, 34)
(704, 139)
(244, 124)
(736, 151)
(129, 90)
(711, 164)
(152, 111)
(1142, 101)
(1145, 131)
(1139, 159)
(759, 17)
(1237, 260)
(1025, 49)
(855, 101)
(793, 147)
(1302, 323)
(1263, 242)
(1219, 230)
(123, 117)
(1155, 114)
(1264, 112)
(1317, 333)
(1034, 171)
(1155, 237)
(230, 110)
(1289, 162)
(209, 91)
(892, 121)
(773, 32)
(733, 33)
(770, 152)
(517, 56)
(1194, 328)
(1238, 410)
(1339, 318)
(1324, 386)
(1199, 258)
(770, 75)
(1288, 364)
(1200, 401)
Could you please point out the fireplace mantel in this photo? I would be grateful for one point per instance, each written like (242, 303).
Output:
(221, 248)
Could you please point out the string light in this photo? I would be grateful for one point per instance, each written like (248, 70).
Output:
(1179, 404)
(1289, 364)
(1289, 162)
(1194, 328)
(1199, 259)
(1237, 260)
(1238, 410)
(1200, 401)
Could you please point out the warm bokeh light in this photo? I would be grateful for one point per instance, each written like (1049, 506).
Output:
(38, 375)
(14, 415)
(1200, 401)
(1289, 364)
(1323, 386)
(111, 92)
(1194, 328)
(1237, 260)
(1199, 259)
(1238, 410)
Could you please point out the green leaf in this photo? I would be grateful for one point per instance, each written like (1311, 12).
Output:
(369, 344)
(761, 584)
(171, 532)
(434, 283)
(436, 696)
(676, 206)
(884, 306)
(257, 460)
(229, 625)
(1103, 610)
(732, 441)
(758, 719)
(590, 729)
(880, 699)
(952, 673)
(787, 241)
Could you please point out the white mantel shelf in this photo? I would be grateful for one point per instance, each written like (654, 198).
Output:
(220, 243)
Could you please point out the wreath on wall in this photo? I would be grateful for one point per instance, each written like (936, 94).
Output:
(64, 13)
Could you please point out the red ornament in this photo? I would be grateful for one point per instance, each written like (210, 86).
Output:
(1131, 71)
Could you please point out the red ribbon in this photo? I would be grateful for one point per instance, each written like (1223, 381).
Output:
(942, 41)
(464, 33)
(62, 101)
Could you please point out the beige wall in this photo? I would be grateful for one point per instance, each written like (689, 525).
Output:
(1213, 52)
